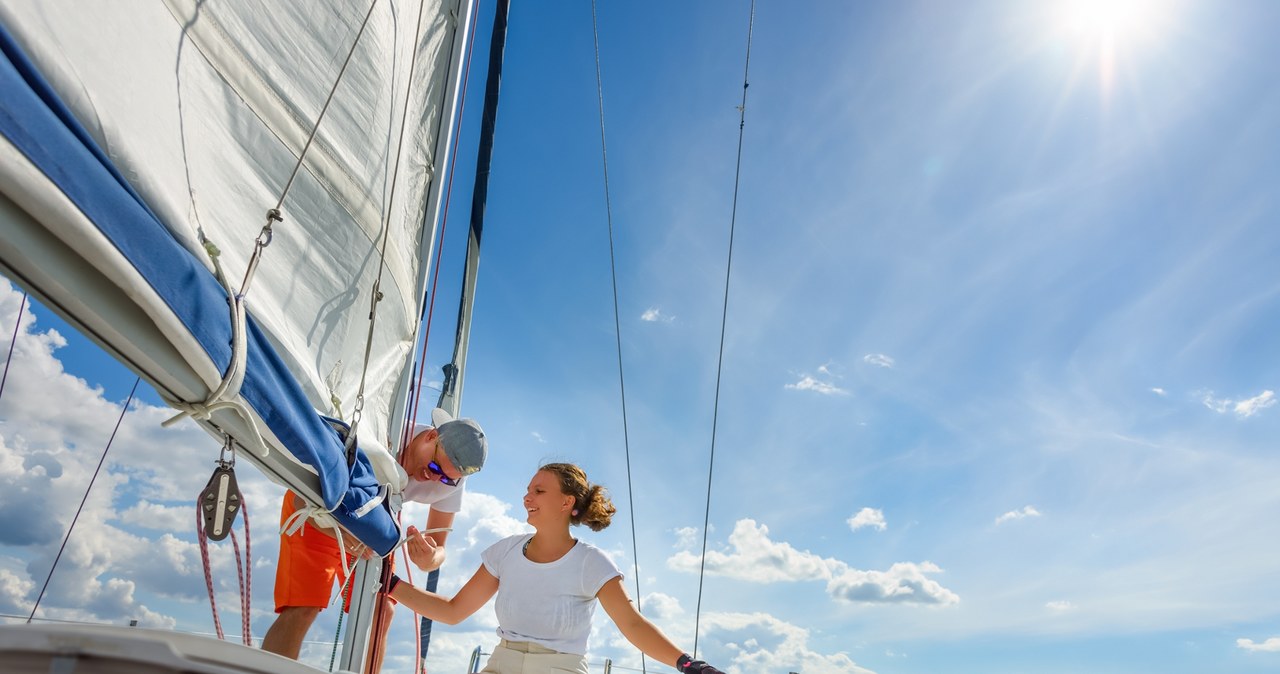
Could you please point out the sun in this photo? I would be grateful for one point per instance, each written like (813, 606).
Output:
(1112, 34)
(1109, 20)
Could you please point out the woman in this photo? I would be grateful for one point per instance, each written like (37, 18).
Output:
(547, 584)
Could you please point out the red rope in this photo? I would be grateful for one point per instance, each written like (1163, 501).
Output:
(244, 572)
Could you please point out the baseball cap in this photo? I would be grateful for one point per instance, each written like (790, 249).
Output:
(462, 440)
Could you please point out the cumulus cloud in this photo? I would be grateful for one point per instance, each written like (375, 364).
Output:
(878, 359)
(686, 538)
(903, 583)
(1158, 391)
(106, 572)
(655, 315)
(808, 383)
(150, 515)
(1271, 645)
(823, 384)
(1241, 408)
(867, 517)
(758, 642)
(735, 642)
(752, 556)
(1027, 511)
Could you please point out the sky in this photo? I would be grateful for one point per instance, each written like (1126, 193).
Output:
(997, 388)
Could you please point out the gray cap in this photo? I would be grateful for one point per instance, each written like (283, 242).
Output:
(463, 441)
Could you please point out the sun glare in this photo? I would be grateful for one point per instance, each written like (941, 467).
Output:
(1108, 19)
(1112, 33)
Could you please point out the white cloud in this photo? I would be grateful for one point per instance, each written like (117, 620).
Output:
(878, 359)
(903, 583)
(759, 642)
(655, 315)
(1158, 391)
(538, 437)
(1271, 645)
(1242, 408)
(754, 557)
(155, 516)
(1247, 408)
(686, 538)
(868, 517)
(1059, 606)
(808, 383)
(1027, 511)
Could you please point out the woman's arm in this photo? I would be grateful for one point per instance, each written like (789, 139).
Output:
(469, 599)
(642, 634)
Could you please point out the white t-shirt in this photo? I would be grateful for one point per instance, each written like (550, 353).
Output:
(549, 604)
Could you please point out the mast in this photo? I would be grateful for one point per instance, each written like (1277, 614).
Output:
(368, 575)
(451, 391)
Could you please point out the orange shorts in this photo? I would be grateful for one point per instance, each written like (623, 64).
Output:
(308, 564)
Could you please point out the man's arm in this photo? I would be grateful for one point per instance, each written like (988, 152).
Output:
(426, 551)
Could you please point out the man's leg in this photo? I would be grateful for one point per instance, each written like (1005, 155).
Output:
(290, 628)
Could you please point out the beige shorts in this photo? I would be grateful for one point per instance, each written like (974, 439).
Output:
(526, 657)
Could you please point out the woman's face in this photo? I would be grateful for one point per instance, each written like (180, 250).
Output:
(543, 500)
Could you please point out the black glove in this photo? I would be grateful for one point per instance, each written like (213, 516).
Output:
(688, 665)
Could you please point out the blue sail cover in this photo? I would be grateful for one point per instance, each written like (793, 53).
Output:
(35, 121)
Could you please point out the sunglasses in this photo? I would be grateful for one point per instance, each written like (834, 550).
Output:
(435, 468)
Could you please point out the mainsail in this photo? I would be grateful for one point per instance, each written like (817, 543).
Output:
(164, 162)
(132, 134)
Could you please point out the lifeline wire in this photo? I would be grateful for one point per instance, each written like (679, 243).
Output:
(617, 323)
(83, 500)
(742, 121)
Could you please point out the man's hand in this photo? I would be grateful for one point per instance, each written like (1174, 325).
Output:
(423, 551)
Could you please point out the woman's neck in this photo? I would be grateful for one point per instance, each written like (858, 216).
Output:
(548, 545)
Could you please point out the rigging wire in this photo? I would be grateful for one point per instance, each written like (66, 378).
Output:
(13, 342)
(315, 128)
(444, 221)
(376, 291)
(63, 547)
(617, 322)
(724, 314)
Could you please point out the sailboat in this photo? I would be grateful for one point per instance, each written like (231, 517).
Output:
(238, 201)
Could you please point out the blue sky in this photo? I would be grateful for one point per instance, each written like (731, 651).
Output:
(998, 384)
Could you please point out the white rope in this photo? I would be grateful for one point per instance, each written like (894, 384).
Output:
(226, 395)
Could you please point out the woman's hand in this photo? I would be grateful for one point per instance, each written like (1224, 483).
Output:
(689, 666)
(423, 551)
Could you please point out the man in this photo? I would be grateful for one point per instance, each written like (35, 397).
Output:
(432, 470)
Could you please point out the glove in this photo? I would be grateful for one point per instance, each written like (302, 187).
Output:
(688, 665)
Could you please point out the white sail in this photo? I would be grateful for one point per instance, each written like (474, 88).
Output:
(193, 115)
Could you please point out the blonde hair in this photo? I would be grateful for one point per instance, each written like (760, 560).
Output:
(591, 503)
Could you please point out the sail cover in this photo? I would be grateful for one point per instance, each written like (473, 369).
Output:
(132, 131)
